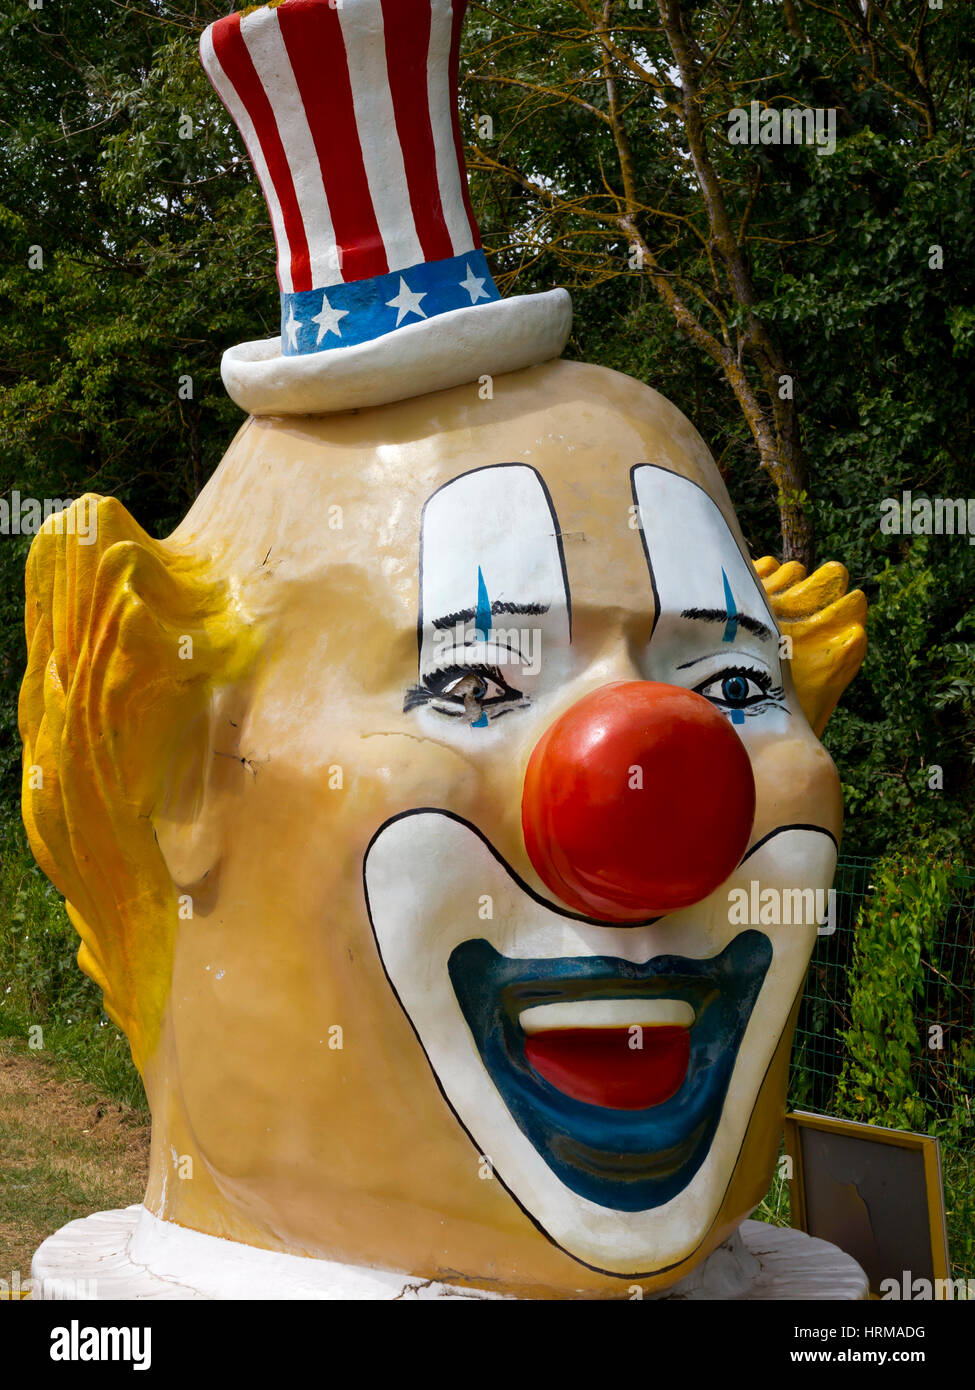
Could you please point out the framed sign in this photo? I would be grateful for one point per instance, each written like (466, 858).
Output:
(876, 1193)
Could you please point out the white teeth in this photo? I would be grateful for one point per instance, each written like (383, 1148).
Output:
(607, 1013)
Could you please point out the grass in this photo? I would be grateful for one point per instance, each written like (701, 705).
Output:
(74, 1124)
(45, 1000)
(774, 1206)
(67, 1151)
(958, 1179)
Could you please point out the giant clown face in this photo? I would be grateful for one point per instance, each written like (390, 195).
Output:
(464, 991)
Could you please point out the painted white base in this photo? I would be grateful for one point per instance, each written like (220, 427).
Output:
(131, 1254)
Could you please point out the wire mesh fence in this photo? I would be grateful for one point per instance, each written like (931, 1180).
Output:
(941, 1065)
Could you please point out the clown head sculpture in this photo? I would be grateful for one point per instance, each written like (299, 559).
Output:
(415, 800)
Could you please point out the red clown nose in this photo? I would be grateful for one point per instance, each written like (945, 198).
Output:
(639, 800)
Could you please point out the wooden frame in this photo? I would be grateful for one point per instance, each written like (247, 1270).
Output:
(924, 1144)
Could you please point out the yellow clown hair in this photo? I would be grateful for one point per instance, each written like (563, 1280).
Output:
(826, 627)
(126, 640)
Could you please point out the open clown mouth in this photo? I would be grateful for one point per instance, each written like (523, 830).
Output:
(615, 1072)
(624, 1053)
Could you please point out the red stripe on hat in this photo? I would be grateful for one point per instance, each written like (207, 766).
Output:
(460, 9)
(407, 44)
(232, 54)
(313, 38)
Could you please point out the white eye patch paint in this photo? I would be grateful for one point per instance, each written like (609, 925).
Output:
(713, 628)
(494, 600)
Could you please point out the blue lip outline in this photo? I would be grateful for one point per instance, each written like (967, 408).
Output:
(625, 1160)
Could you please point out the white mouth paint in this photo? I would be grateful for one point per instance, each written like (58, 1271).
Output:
(433, 882)
(607, 1013)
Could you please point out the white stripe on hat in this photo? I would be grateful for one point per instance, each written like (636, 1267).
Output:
(262, 35)
(238, 111)
(365, 51)
(441, 116)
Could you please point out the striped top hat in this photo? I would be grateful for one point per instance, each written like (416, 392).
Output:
(348, 109)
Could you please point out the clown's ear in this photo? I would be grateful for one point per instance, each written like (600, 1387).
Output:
(127, 638)
(826, 625)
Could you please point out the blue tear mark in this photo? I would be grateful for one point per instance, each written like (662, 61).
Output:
(737, 716)
(482, 628)
(482, 621)
(731, 608)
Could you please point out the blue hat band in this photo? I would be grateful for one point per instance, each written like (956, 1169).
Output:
(344, 315)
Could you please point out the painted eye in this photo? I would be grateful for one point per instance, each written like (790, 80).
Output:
(737, 689)
(471, 692)
(473, 686)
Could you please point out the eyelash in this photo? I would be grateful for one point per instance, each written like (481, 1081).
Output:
(771, 694)
(431, 688)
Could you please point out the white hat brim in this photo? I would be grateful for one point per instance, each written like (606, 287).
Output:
(429, 355)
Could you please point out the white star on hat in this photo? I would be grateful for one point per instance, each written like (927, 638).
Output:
(406, 302)
(292, 328)
(474, 286)
(328, 320)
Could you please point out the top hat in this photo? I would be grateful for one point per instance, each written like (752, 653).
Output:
(348, 109)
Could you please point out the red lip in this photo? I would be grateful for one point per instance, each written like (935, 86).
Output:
(600, 1066)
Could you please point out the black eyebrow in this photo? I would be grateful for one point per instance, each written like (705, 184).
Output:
(465, 615)
(720, 615)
